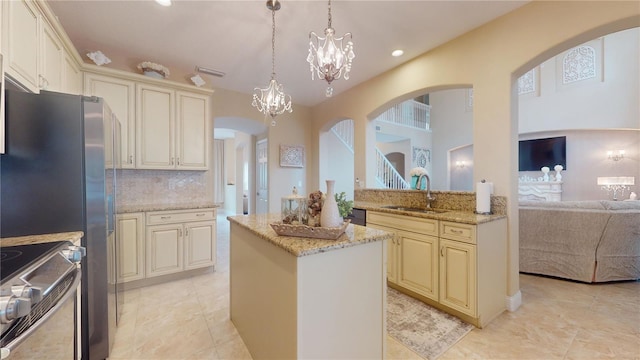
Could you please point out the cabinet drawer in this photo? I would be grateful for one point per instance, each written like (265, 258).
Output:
(170, 217)
(403, 222)
(456, 231)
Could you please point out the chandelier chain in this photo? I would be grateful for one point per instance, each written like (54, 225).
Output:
(272, 100)
(273, 43)
(329, 26)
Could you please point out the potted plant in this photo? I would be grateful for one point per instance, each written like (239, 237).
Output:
(344, 206)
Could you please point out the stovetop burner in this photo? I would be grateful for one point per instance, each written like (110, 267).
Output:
(7, 255)
(14, 259)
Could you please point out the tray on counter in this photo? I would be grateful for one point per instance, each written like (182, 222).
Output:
(317, 232)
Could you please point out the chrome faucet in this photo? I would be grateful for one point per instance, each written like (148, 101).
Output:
(419, 185)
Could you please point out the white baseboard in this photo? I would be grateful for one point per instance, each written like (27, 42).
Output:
(514, 302)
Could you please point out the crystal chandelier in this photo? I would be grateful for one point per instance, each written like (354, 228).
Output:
(330, 60)
(272, 100)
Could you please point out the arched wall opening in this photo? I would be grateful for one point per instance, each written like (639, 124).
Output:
(237, 178)
(450, 126)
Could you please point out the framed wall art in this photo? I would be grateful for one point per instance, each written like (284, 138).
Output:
(292, 156)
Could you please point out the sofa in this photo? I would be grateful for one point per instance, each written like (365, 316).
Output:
(588, 241)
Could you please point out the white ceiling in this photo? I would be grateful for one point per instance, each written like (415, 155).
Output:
(235, 36)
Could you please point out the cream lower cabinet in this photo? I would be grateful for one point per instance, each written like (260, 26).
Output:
(458, 276)
(164, 249)
(412, 255)
(473, 269)
(455, 266)
(130, 247)
(179, 240)
(199, 249)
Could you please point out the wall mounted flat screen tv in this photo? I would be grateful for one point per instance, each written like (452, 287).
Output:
(536, 153)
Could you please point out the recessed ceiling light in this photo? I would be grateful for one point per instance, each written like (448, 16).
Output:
(164, 2)
(397, 53)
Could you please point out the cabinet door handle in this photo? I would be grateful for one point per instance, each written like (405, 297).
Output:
(456, 231)
(200, 214)
(186, 232)
(130, 159)
(165, 217)
(178, 161)
(442, 251)
(180, 232)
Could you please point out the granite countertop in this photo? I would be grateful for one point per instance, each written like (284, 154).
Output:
(298, 246)
(74, 237)
(123, 209)
(465, 217)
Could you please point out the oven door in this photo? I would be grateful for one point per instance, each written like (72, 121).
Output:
(51, 333)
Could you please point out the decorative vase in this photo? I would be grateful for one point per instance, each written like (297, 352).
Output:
(330, 214)
(414, 183)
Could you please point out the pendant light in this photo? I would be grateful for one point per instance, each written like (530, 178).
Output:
(272, 100)
(328, 57)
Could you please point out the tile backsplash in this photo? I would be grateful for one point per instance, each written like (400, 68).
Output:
(138, 187)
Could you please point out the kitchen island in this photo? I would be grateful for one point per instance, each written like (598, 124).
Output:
(294, 297)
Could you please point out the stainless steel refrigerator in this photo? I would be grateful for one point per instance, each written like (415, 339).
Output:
(58, 174)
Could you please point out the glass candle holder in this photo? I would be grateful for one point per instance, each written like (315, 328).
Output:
(294, 210)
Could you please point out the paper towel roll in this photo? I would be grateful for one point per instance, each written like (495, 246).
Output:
(483, 197)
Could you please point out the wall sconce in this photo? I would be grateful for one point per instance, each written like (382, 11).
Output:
(616, 157)
(461, 164)
(616, 184)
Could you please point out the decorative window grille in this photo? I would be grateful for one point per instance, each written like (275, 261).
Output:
(527, 83)
(579, 64)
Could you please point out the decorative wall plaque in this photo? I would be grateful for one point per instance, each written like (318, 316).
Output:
(292, 155)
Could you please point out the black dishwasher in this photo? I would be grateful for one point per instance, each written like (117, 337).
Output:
(358, 216)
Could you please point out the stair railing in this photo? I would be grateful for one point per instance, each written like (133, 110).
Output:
(387, 175)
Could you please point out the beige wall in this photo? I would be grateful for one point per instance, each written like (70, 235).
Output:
(489, 59)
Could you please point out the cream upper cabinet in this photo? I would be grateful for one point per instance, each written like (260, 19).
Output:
(34, 51)
(172, 129)
(71, 76)
(120, 95)
(20, 43)
(130, 247)
(52, 59)
(192, 131)
(155, 124)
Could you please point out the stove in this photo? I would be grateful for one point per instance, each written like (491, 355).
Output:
(36, 281)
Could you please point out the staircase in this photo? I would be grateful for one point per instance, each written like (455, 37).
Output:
(386, 175)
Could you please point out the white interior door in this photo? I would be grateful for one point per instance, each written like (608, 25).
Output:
(262, 190)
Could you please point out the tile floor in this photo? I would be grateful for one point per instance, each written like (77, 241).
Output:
(189, 319)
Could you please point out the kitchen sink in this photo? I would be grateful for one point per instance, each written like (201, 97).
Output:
(413, 209)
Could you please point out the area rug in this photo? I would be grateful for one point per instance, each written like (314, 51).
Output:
(420, 327)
